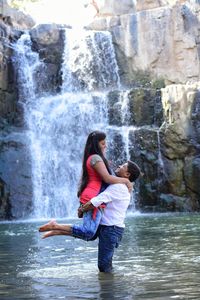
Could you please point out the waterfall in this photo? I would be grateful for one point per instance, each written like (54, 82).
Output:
(58, 125)
(89, 62)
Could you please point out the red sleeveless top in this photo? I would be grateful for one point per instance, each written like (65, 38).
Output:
(94, 183)
(93, 187)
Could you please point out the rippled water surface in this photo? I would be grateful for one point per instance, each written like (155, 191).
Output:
(159, 258)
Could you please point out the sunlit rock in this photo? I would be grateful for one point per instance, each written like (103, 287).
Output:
(181, 110)
(180, 142)
(150, 4)
(113, 7)
(162, 41)
(46, 34)
(15, 18)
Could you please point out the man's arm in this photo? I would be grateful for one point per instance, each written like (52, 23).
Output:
(112, 191)
(103, 197)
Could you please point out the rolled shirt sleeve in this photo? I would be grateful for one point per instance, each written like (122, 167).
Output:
(101, 198)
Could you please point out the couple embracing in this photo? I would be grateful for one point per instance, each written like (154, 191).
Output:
(104, 199)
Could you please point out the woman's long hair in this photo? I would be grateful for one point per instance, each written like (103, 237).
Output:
(91, 147)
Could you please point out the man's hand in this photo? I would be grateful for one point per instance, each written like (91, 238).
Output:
(83, 208)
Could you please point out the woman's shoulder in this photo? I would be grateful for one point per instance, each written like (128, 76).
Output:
(94, 158)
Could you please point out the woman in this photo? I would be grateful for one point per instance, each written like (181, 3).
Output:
(95, 174)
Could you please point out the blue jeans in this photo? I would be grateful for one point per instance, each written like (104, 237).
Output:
(109, 238)
(87, 230)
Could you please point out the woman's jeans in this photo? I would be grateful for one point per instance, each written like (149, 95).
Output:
(109, 238)
(89, 227)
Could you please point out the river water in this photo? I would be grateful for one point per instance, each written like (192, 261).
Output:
(159, 258)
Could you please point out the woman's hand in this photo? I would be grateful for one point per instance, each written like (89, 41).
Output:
(83, 208)
(80, 212)
(129, 185)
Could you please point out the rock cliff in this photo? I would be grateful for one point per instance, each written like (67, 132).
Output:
(14, 167)
(157, 42)
(158, 37)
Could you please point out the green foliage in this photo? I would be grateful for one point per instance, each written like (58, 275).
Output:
(158, 83)
(145, 79)
(142, 78)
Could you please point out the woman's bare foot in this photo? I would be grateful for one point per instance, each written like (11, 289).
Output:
(49, 226)
(54, 232)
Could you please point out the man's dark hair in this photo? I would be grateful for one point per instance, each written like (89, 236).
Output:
(134, 170)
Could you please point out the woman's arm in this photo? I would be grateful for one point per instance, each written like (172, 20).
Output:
(101, 169)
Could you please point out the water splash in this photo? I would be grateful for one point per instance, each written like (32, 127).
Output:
(125, 108)
(27, 63)
(160, 159)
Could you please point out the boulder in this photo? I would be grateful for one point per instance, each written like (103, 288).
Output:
(14, 17)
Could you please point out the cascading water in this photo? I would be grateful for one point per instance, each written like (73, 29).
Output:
(58, 125)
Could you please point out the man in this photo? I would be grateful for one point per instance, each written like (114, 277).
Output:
(111, 228)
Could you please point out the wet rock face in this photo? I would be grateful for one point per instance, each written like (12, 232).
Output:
(137, 107)
(145, 107)
(164, 141)
(181, 110)
(7, 85)
(47, 40)
(15, 166)
(180, 142)
(12, 22)
(5, 207)
(15, 173)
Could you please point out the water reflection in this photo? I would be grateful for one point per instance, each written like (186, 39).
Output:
(158, 259)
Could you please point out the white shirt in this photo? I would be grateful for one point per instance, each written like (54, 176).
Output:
(117, 198)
